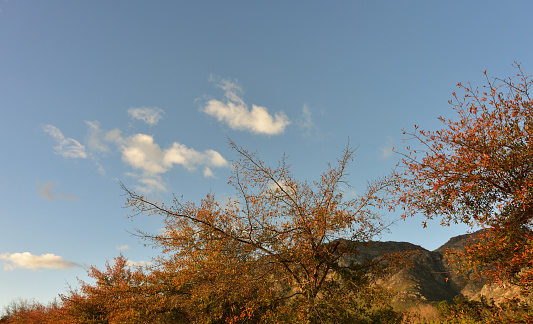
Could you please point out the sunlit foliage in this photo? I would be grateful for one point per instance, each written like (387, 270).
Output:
(478, 170)
(273, 248)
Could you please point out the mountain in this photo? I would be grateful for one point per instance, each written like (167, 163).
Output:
(429, 277)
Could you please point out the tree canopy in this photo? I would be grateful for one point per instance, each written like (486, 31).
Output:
(478, 170)
(277, 242)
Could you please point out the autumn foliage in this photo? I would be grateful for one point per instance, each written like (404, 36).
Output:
(275, 252)
(478, 170)
(272, 251)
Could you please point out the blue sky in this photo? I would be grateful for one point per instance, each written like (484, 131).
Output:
(148, 92)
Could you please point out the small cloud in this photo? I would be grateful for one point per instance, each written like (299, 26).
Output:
(66, 147)
(26, 260)
(234, 112)
(138, 264)
(190, 158)
(281, 188)
(98, 142)
(151, 184)
(307, 125)
(101, 169)
(349, 192)
(67, 196)
(149, 115)
(46, 190)
(208, 173)
(122, 247)
(114, 136)
(385, 151)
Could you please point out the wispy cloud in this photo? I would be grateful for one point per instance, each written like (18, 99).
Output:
(46, 190)
(96, 137)
(100, 168)
(26, 260)
(235, 112)
(66, 147)
(149, 115)
(307, 125)
(138, 151)
(122, 247)
(137, 264)
(150, 183)
(385, 151)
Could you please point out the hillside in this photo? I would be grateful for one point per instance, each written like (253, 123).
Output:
(429, 278)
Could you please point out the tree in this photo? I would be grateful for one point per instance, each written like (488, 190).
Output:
(478, 170)
(29, 312)
(272, 252)
(121, 294)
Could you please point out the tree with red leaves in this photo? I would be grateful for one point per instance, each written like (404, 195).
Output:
(478, 170)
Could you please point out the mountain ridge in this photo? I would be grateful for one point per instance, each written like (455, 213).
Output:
(429, 278)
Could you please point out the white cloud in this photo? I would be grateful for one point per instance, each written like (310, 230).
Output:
(151, 183)
(208, 173)
(96, 138)
(122, 247)
(130, 263)
(215, 159)
(307, 125)
(97, 142)
(385, 151)
(149, 115)
(234, 111)
(114, 136)
(101, 169)
(67, 147)
(281, 188)
(26, 260)
(141, 152)
(306, 121)
(46, 190)
(189, 158)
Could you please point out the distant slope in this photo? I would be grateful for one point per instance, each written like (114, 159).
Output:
(429, 278)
